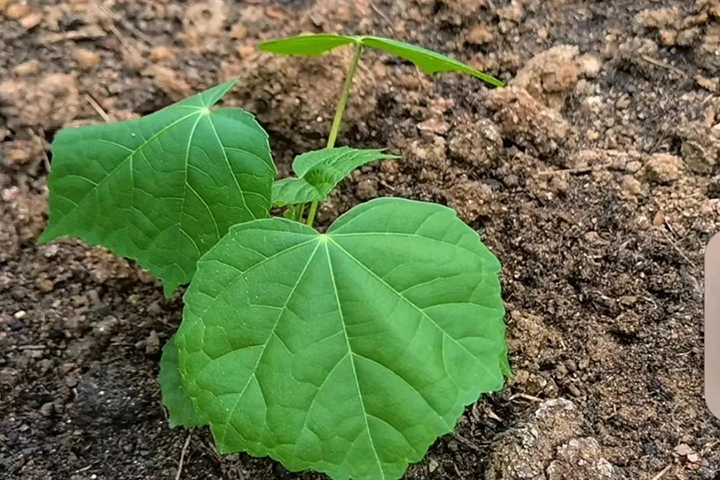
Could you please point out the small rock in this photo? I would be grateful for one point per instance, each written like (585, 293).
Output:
(592, 105)
(31, 67)
(480, 35)
(85, 59)
(700, 148)
(668, 37)
(623, 103)
(31, 20)
(688, 36)
(479, 144)
(432, 125)
(161, 54)
(44, 285)
(20, 314)
(549, 75)
(630, 186)
(707, 83)
(684, 450)
(663, 168)
(47, 409)
(580, 459)
(366, 189)
(106, 326)
(16, 11)
(633, 166)
(589, 65)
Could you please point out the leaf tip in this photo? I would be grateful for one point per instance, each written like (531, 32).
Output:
(211, 96)
(45, 237)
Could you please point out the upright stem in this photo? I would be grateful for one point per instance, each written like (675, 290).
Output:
(342, 101)
(339, 111)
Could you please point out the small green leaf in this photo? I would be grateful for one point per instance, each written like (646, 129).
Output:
(310, 45)
(320, 171)
(162, 189)
(348, 352)
(336, 163)
(428, 61)
(174, 397)
(293, 191)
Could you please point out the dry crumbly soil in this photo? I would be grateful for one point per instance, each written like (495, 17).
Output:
(594, 177)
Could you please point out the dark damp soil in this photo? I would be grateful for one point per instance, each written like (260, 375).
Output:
(594, 177)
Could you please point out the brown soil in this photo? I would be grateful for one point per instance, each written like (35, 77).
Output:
(594, 177)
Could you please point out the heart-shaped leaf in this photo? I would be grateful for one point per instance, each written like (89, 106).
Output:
(428, 61)
(320, 171)
(348, 352)
(174, 397)
(162, 189)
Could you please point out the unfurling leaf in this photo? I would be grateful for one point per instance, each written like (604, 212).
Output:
(428, 61)
(293, 191)
(162, 189)
(348, 352)
(174, 397)
(320, 171)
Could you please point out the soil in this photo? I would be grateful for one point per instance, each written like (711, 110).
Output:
(594, 177)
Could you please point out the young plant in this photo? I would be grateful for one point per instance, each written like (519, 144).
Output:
(347, 352)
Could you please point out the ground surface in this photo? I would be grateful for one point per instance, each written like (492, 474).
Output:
(594, 177)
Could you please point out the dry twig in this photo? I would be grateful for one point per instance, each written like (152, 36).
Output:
(182, 456)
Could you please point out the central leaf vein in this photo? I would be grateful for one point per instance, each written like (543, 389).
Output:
(352, 361)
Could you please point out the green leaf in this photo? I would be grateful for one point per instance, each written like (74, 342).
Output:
(293, 191)
(174, 397)
(348, 352)
(320, 171)
(335, 163)
(310, 45)
(162, 189)
(428, 61)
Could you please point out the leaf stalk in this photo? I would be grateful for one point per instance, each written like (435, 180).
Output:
(339, 112)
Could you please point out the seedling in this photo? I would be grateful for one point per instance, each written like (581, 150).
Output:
(347, 352)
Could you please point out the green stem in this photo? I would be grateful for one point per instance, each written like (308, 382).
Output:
(339, 111)
(344, 95)
(311, 213)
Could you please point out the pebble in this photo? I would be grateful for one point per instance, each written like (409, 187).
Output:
(663, 168)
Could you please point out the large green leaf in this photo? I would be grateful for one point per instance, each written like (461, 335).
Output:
(174, 397)
(320, 171)
(348, 352)
(162, 189)
(428, 61)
